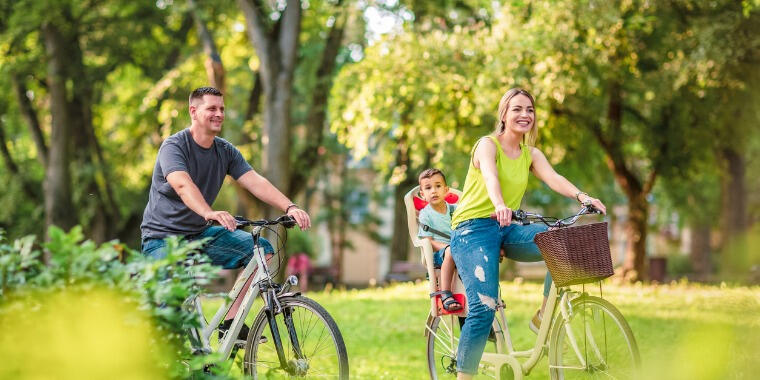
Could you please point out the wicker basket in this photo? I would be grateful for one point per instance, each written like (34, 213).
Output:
(577, 254)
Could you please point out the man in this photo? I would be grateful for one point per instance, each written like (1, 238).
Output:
(189, 172)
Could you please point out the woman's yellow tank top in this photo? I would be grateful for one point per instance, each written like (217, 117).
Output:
(513, 178)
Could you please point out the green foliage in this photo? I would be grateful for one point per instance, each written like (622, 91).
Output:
(679, 265)
(388, 100)
(86, 331)
(160, 287)
(299, 242)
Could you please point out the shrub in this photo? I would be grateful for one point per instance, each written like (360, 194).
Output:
(157, 287)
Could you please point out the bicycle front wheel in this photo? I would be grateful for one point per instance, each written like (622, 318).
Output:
(594, 342)
(311, 344)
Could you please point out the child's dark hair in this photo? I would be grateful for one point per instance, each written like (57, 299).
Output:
(428, 173)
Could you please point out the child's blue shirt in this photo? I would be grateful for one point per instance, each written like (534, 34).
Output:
(436, 220)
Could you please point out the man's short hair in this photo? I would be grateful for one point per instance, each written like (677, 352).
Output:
(200, 91)
(428, 173)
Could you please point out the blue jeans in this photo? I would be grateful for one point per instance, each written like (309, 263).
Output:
(475, 246)
(229, 249)
(438, 257)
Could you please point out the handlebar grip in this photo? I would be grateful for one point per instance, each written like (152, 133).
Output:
(287, 221)
(590, 209)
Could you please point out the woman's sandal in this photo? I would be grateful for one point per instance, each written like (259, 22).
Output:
(448, 301)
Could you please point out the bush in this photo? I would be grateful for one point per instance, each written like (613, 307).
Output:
(679, 265)
(159, 288)
(299, 242)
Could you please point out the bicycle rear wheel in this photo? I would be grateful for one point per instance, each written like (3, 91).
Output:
(318, 353)
(442, 344)
(596, 342)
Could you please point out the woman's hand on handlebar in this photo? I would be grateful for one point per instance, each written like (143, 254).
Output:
(503, 215)
(224, 218)
(301, 217)
(597, 204)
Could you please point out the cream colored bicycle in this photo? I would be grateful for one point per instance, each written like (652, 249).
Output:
(584, 336)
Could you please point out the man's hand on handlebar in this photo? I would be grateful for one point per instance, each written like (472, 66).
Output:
(224, 218)
(301, 217)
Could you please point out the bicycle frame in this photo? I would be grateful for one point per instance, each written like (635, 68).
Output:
(207, 328)
(504, 340)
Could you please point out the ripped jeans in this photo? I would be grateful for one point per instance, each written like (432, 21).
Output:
(475, 246)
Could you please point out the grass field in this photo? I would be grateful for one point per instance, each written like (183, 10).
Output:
(684, 331)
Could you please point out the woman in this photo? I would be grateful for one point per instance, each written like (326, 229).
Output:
(495, 184)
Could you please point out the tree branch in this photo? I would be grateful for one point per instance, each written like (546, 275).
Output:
(9, 163)
(254, 100)
(290, 29)
(32, 191)
(258, 33)
(649, 184)
(315, 122)
(214, 66)
(28, 112)
(635, 113)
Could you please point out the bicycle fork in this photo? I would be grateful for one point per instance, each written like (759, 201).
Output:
(299, 366)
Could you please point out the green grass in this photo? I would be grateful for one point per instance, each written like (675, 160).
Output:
(684, 331)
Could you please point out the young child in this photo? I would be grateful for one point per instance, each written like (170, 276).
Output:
(436, 216)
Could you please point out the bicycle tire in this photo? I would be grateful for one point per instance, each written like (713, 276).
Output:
(312, 323)
(608, 346)
(442, 344)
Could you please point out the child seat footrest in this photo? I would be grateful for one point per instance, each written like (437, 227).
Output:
(459, 297)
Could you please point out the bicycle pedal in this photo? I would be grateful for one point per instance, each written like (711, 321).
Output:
(263, 340)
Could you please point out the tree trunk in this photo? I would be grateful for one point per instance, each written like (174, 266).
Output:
(277, 54)
(337, 216)
(276, 133)
(400, 240)
(58, 199)
(635, 247)
(735, 221)
(699, 252)
(634, 188)
(96, 184)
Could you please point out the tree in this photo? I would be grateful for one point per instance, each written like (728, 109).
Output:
(386, 107)
(623, 72)
(83, 44)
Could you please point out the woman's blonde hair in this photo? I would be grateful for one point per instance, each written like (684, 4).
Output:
(532, 135)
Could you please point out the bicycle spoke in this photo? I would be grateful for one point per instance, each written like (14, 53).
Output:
(322, 355)
(574, 344)
(609, 349)
(592, 343)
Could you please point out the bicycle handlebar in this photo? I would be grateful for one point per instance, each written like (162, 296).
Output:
(286, 221)
(526, 217)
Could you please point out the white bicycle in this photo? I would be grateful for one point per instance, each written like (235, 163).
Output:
(291, 335)
(584, 336)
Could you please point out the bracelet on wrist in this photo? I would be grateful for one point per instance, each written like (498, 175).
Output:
(578, 196)
(287, 209)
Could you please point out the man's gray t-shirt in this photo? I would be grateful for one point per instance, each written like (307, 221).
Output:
(166, 214)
